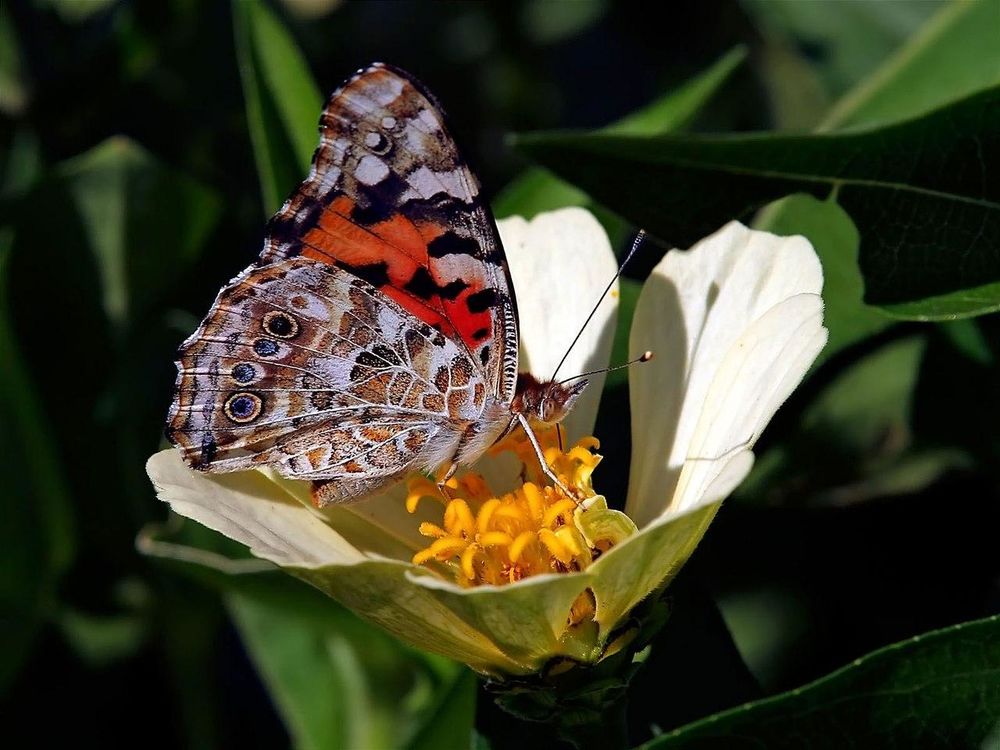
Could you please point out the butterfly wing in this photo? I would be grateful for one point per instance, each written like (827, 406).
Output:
(309, 369)
(390, 200)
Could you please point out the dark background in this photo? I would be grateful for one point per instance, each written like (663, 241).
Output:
(122, 649)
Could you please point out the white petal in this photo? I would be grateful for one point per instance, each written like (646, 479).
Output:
(560, 263)
(734, 323)
(378, 525)
(250, 508)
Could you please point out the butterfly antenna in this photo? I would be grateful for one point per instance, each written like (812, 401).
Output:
(635, 246)
(644, 357)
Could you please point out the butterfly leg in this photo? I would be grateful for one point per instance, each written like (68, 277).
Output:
(442, 483)
(546, 469)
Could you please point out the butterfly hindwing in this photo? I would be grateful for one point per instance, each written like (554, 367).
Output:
(305, 367)
(390, 200)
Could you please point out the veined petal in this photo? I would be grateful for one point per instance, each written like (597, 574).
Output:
(249, 507)
(560, 262)
(634, 569)
(755, 378)
(730, 345)
(509, 630)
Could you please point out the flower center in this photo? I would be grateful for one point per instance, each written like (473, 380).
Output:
(535, 529)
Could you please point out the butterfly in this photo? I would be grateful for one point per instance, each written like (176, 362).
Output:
(377, 333)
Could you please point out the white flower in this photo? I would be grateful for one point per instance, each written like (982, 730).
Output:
(735, 322)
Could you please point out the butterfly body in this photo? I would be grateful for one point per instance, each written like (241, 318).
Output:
(377, 334)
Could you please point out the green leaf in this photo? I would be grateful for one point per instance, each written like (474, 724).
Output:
(539, 190)
(282, 100)
(836, 241)
(920, 192)
(144, 223)
(941, 689)
(847, 40)
(951, 58)
(337, 681)
(948, 59)
(676, 110)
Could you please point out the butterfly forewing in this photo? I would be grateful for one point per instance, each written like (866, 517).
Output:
(390, 199)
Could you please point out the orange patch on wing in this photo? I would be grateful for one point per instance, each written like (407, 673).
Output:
(401, 245)
(467, 322)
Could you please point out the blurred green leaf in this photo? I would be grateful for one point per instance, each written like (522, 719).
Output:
(928, 212)
(102, 639)
(843, 42)
(951, 58)
(868, 405)
(77, 11)
(37, 538)
(539, 190)
(282, 100)
(14, 92)
(337, 681)
(550, 23)
(144, 223)
(452, 718)
(966, 336)
(941, 689)
(854, 441)
(21, 165)
(676, 110)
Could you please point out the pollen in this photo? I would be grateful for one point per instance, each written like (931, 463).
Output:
(536, 528)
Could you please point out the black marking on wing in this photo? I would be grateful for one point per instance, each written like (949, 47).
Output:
(376, 274)
(450, 243)
(483, 300)
(423, 285)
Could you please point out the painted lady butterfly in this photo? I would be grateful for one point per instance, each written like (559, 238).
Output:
(377, 334)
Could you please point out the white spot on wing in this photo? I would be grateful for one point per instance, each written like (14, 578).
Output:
(388, 122)
(426, 182)
(386, 90)
(429, 120)
(371, 170)
(330, 179)
(373, 140)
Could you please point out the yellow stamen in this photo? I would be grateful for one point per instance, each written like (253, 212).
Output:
(562, 508)
(430, 529)
(518, 545)
(486, 514)
(468, 556)
(537, 528)
(495, 538)
(555, 546)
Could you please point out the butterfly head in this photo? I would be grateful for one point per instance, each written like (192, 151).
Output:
(546, 402)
